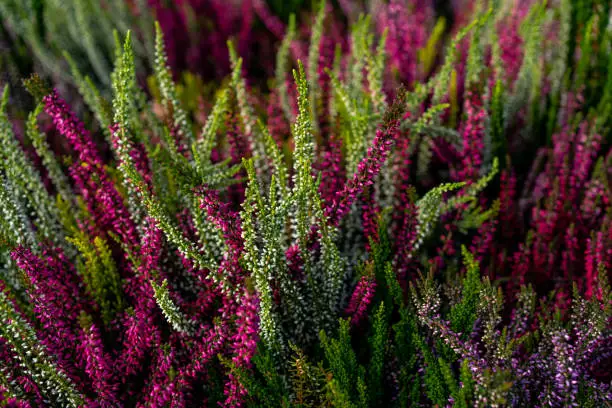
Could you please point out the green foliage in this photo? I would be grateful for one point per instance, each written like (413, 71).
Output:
(342, 363)
(528, 76)
(260, 261)
(471, 191)
(172, 313)
(439, 83)
(99, 274)
(463, 314)
(82, 29)
(497, 133)
(378, 347)
(307, 382)
(33, 359)
(26, 183)
(429, 209)
(168, 89)
(43, 150)
(313, 61)
(282, 68)
(433, 378)
(427, 54)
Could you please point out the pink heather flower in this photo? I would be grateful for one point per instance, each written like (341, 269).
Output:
(348, 7)
(142, 332)
(211, 343)
(243, 346)
(594, 256)
(407, 33)
(586, 150)
(161, 388)
(570, 255)
(369, 215)
(278, 125)
(507, 204)
(594, 203)
(333, 174)
(295, 263)
(276, 26)
(102, 199)
(239, 148)
(405, 232)
(99, 367)
(484, 242)
(520, 265)
(57, 302)
(361, 299)
(511, 44)
(367, 170)
(229, 223)
(11, 402)
(473, 139)
(137, 154)
(140, 160)
(447, 248)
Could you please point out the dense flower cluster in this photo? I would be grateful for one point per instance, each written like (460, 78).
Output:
(400, 209)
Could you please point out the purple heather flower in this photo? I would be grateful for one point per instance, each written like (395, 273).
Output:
(332, 172)
(361, 299)
(243, 346)
(367, 170)
(160, 386)
(407, 32)
(473, 139)
(369, 215)
(142, 332)
(102, 198)
(99, 366)
(57, 302)
(229, 224)
(511, 44)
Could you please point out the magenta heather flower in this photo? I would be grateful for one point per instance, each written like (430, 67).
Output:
(229, 223)
(161, 388)
(142, 333)
(12, 402)
(472, 136)
(407, 25)
(367, 170)
(99, 366)
(332, 172)
(97, 189)
(57, 302)
(243, 346)
(594, 258)
(511, 44)
(369, 214)
(360, 299)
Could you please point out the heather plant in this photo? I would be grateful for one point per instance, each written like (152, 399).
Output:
(40, 34)
(407, 218)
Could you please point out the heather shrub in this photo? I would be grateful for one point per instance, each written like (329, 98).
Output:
(409, 213)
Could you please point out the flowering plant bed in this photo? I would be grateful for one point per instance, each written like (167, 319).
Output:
(398, 211)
